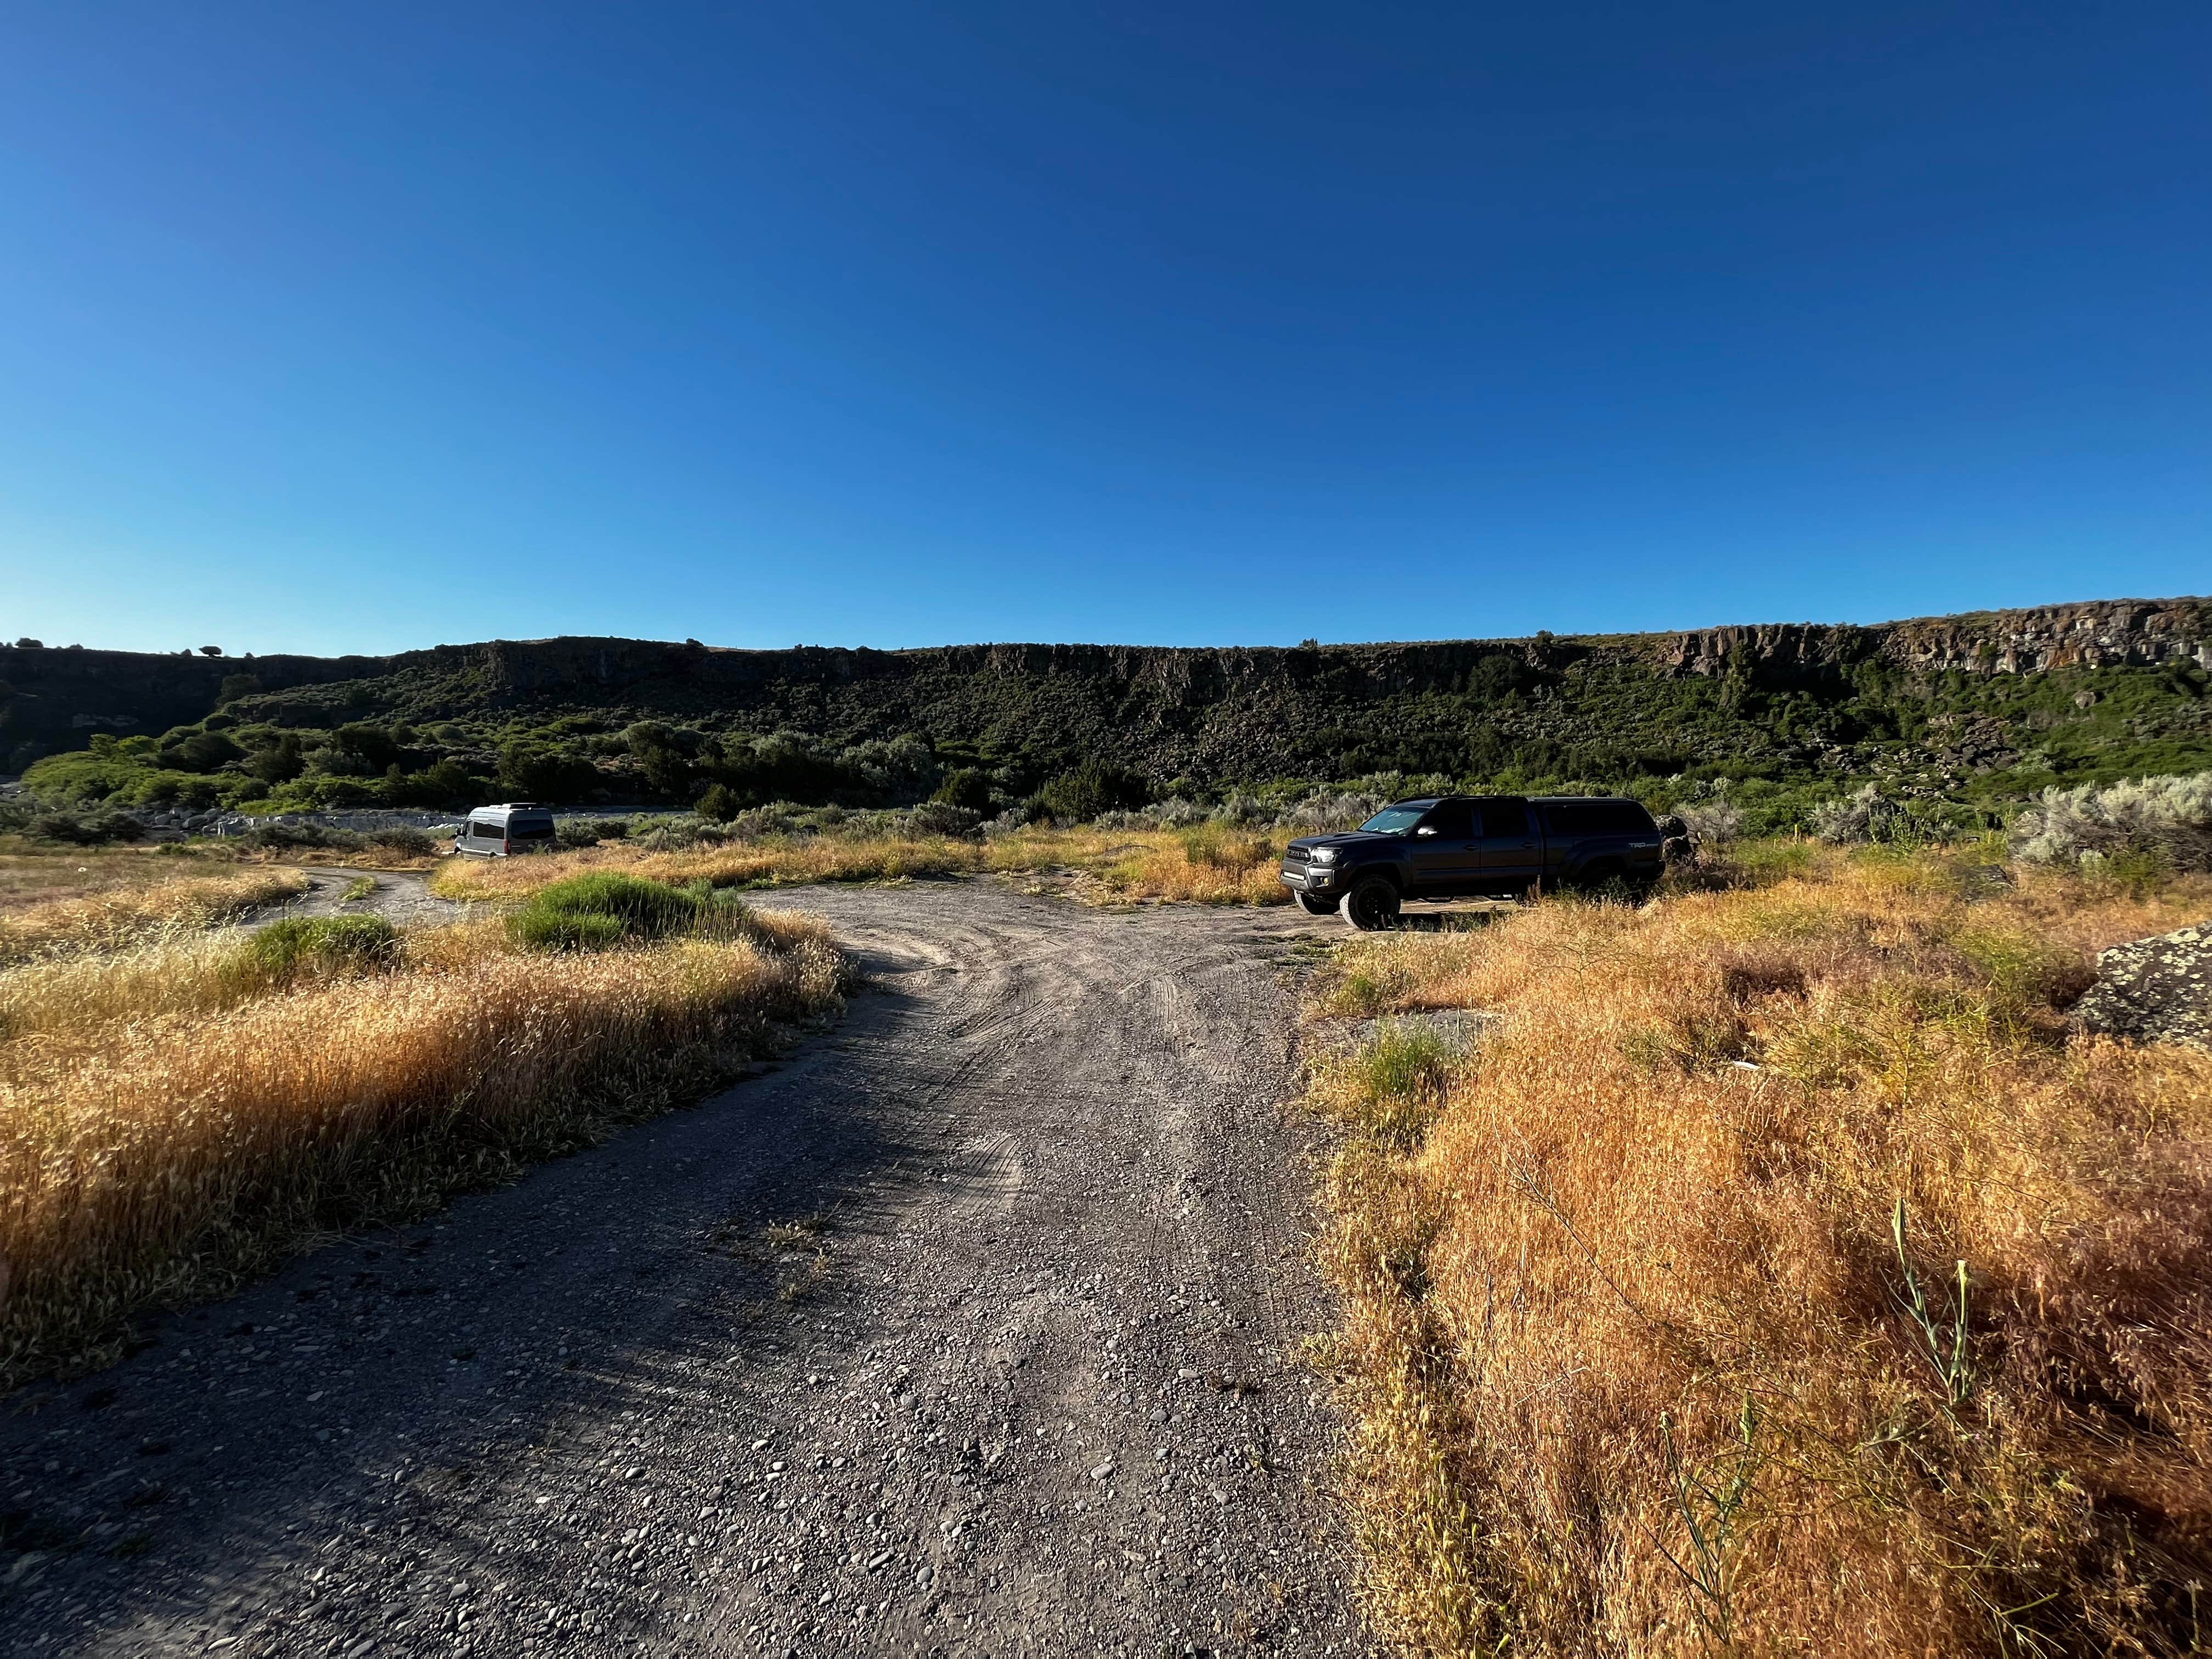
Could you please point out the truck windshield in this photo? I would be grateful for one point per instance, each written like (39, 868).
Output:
(1396, 820)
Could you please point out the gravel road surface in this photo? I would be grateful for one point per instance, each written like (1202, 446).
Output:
(972, 1328)
(402, 898)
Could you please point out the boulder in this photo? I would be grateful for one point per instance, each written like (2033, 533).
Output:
(2155, 990)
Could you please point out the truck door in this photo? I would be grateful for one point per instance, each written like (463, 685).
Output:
(1512, 847)
(1446, 850)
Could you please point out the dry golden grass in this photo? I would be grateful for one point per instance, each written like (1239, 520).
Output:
(34, 873)
(1628, 1334)
(169, 1123)
(1207, 866)
(123, 914)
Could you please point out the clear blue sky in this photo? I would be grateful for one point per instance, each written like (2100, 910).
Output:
(350, 327)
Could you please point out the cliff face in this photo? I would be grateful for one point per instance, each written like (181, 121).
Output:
(2106, 633)
(2103, 634)
(1077, 694)
(57, 698)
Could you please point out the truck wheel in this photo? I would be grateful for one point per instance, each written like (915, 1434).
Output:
(1316, 907)
(1371, 905)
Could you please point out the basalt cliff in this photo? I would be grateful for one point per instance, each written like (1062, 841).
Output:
(1457, 706)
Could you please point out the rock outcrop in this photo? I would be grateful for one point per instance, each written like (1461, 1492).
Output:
(2155, 990)
(2101, 634)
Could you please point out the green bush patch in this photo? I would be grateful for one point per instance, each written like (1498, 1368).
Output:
(332, 945)
(598, 911)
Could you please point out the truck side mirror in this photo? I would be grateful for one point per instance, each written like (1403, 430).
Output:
(1426, 829)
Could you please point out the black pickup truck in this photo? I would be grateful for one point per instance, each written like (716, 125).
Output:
(1445, 847)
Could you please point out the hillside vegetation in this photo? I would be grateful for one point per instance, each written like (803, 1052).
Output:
(1978, 711)
(1775, 1271)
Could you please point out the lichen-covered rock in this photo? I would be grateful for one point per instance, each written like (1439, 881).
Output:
(2155, 990)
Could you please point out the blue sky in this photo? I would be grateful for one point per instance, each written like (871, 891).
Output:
(342, 327)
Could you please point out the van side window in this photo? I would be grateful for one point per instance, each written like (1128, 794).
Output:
(484, 831)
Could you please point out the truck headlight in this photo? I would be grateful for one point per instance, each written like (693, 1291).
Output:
(1324, 855)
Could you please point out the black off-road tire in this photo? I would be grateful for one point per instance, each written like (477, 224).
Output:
(1371, 904)
(1600, 874)
(1316, 907)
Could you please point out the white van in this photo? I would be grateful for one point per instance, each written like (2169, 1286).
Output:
(498, 832)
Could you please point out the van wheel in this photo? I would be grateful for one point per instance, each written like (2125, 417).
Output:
(1371, 905)
(1316, 907)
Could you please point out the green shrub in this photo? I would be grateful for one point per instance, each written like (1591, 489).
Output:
(1093, 788)
(966, 786)
(1394, 1086)
(403, 841)
(86, 828)
(531, 772)
(720, 803)
(596, 911)
(269, 837)
(329, 945)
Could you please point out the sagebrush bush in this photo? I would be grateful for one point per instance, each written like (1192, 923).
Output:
(288, 838)
(2168, 819)
(1715, 822)
(403, 841)
(589, 832)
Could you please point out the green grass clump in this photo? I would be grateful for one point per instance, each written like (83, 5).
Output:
(331, 945)
(602, 910)
(1393, 1086)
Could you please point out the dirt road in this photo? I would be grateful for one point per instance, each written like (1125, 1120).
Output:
(400, 896)
(970, 1329)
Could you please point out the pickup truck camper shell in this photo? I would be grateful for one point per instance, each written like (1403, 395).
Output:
(1456, 846)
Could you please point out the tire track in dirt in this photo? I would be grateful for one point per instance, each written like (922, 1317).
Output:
(971, 1329)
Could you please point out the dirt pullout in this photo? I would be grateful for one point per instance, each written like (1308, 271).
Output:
(402, 898)
(972, 1329)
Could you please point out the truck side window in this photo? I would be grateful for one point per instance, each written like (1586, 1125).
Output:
(1505, 817)
(1452, 820)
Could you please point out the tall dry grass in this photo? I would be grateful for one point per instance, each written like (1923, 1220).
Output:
(171, 1121)
(1207, 865)
(124, 916)
(1644, 1356)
